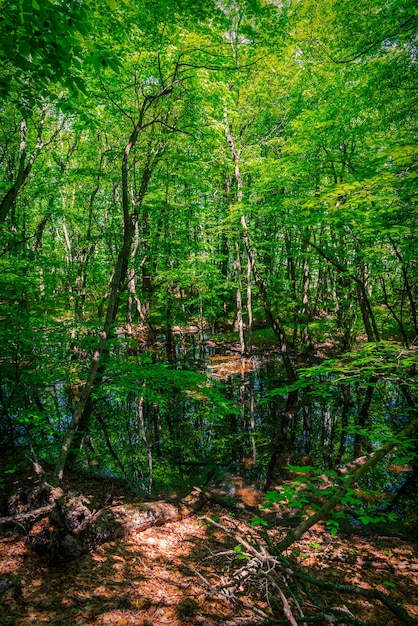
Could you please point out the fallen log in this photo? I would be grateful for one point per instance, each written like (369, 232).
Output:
(29, 516)
(149, 514)
(68, 528)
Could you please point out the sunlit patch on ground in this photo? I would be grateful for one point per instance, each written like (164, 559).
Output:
(170, 574)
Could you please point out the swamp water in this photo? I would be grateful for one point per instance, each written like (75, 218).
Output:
(211, 415)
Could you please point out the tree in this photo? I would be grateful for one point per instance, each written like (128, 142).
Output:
(228, 163)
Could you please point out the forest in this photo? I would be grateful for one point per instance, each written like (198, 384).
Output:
(208, 312)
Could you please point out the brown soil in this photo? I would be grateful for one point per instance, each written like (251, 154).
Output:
(176, 574)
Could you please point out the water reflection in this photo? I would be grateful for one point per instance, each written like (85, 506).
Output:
(332, 423)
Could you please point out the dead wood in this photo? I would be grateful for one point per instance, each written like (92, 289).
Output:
(373, 594)
(67, 527)
(158, 513)
(262, 564)
(27, 506)
(29, 516)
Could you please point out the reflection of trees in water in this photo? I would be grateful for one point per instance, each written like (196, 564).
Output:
(263, 428)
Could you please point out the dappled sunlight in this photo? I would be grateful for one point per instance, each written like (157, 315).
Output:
(208, 316)
(222, 366)
(174, 574)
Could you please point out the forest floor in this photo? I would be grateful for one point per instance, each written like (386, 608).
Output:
(178, 573)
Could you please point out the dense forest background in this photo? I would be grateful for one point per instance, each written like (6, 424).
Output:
(208, 237)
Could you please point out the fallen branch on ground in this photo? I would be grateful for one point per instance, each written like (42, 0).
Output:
(261, 564)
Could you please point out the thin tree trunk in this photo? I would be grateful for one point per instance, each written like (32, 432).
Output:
(344, 310)
(139, 406)
(131, 281)
(86, 252)
(102, 423)
(327, 435)
(363, 298)
(366, 311)
(236, 157)
(408, 287)
(240, 320)
(249, 310)
(282, 443)
(169, 339)
(345, 390)
(118, 279)
(25, 165)
(274, 322)
(23, 171)
(392, 311)
(307, 428)
(333, 500)
(305, 315)
(363, 415)
(291, 277)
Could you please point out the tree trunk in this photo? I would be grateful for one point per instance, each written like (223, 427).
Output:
(282, 443)
(240, 320)
(274, 322)
(391, 309)
(359, 439)
(366, 310)
(112, 308)
(363, 298)
(131, 281)
(345, 391)
(333, 500)
(304, 313)
(291, 277)
(408, 288)
(23, 172)
(118, 280)
(249, 310)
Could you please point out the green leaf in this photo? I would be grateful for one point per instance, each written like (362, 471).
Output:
(332, 526)
(112, 4)
(272, 497)
(257, 521)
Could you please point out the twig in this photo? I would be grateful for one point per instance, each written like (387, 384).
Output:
(286, 606)
(374, 594)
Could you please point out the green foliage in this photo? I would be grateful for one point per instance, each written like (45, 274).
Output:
(323, 169)
(309, 492)
(258, 521)
(239, 551)
(382, 359)
(41, 42)
(332, 525)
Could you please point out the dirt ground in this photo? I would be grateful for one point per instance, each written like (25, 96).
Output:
(183, 572)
